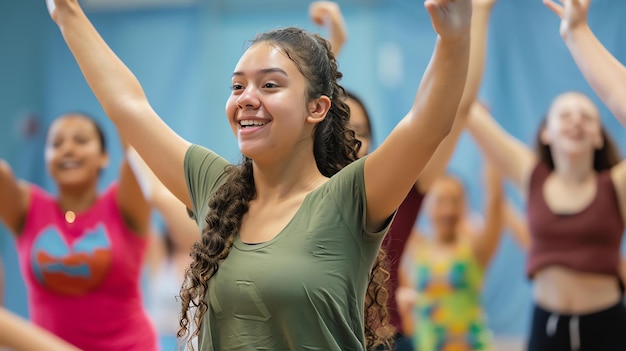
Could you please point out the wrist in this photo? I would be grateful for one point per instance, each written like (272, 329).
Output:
(570, 34)
(479, 7)
(458, 40)
(65, 12)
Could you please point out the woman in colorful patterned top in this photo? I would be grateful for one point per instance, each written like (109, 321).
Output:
(447, 270)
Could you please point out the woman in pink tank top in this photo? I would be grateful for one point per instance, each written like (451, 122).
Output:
(81, 251)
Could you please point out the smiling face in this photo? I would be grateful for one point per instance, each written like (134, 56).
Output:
(573, 126)
(74, 151)
(268, 106)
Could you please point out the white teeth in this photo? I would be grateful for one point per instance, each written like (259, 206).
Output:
(247, 122)
(69, 164)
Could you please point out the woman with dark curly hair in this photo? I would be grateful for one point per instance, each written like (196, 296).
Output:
(289, 236)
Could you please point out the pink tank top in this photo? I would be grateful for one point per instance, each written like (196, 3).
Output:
(83, 278)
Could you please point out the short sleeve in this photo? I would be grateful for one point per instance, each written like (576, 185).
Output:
(348, 189)
(204, 172)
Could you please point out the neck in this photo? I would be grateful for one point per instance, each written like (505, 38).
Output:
(574, 169)
(279, 180)
(77, 199)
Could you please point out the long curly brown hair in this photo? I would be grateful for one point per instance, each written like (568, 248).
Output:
(334, 147)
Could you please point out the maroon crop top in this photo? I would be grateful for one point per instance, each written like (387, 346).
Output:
(586, 241)
(394, 243)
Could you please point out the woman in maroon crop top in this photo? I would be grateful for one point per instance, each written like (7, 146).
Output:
(329, 13)
(575, 189)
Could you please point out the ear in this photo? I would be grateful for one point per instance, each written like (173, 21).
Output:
(318, 108)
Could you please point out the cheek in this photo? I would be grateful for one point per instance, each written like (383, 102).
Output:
(231, 107)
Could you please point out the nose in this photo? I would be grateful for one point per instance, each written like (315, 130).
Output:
(66, 148)
(249, 98)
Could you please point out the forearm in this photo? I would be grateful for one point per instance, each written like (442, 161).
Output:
(438, 96)
(478, 47)
(478, 42)
(113, 84)
(605, 74)
(338, 35)
(183, 231)
(19, 335)
(517, 224)
(489, 241)
(514, 159)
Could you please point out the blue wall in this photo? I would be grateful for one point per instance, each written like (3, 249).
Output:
(184, 57)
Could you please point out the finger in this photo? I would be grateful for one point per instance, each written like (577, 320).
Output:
(554, 7)
(432, 6)
(578, 4)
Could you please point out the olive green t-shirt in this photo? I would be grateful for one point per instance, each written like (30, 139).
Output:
(302, 290)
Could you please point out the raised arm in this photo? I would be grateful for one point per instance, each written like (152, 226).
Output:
(605, 74)
(391, 170)
(328, 13)
(486, 243)
(481, 10)
(19, 335)
(13, 199)
(516, 223)
(122, 97)
(514, 159)
(130, 197)
(183, 231)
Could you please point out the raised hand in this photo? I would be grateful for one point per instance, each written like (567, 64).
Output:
(55, 6)
(323, 12)
(573, 13)
(328, 14)
(450, 18)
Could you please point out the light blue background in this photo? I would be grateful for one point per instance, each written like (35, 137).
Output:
(183, 55)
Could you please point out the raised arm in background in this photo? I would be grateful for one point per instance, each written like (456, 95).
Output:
(19, 335)
(486, 242)
(328, 14)
(605, 74)
(181, 231)
(514, 159)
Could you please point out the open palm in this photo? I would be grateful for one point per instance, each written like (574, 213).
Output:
(573, 13)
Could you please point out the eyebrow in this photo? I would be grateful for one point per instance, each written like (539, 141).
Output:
(264, 71)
